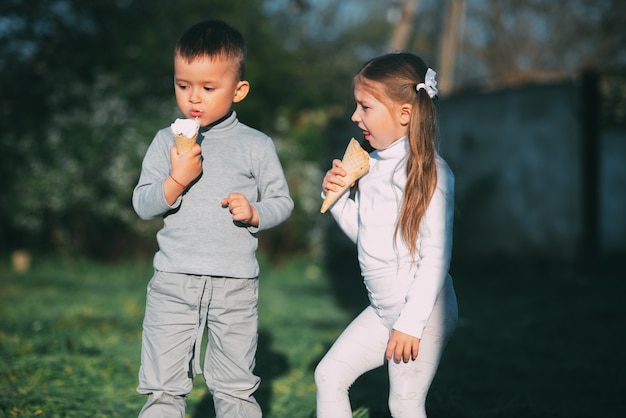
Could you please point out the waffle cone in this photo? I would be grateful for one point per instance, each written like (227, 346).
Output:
(184, 143)
(356, 161)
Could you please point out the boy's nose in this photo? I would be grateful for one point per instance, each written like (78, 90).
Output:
(194, 97)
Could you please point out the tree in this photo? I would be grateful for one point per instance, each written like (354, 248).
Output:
(85, 86)
(513, 41)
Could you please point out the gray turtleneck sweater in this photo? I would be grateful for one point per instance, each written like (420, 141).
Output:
(198, 235)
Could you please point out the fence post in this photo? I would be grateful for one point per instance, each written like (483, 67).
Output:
(591, 135)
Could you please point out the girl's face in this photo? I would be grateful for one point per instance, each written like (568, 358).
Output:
(207, 87)
(382, 123)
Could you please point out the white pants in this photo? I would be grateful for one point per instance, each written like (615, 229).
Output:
(361, 347)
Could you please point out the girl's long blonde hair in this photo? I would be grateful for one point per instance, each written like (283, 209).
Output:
(392, 78)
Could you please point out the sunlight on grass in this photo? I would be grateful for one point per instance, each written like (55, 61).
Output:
(71, 335)
(70, 339)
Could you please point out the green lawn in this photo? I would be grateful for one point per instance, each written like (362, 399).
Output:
(530, 343)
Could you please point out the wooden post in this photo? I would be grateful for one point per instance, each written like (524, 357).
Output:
(400, 37)
(591, 103)
(449, 44)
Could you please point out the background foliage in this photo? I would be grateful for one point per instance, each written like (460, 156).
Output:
(85, 86)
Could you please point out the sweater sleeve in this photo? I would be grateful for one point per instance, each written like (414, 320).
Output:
(274, 205)
(148, 197)
(435, 249)
(345, 212)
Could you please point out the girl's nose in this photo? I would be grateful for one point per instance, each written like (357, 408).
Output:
(354, 117)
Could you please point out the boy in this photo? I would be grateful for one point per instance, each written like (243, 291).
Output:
(213, 200)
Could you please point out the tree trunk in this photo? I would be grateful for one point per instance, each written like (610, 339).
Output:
(402, 32)
(449, 43)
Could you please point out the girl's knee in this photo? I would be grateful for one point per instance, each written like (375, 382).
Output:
(329, 376)
(321, 373)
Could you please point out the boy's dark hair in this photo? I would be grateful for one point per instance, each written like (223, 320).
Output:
(213, 38)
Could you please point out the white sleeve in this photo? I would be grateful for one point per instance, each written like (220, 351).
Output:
(345, 212)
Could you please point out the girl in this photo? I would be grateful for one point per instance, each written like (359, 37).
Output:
(401, 221)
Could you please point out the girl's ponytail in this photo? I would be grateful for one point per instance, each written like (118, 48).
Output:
(421, 173)
(405, 78)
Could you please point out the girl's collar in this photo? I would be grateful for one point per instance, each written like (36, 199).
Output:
(396, 149)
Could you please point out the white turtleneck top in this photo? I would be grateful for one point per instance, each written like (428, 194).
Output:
(370, 219)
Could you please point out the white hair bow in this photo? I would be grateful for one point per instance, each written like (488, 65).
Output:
(429, 84)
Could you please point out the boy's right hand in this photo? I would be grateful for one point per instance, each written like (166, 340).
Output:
(333, 180)
(188, 166)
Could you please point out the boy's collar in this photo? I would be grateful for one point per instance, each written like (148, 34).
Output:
(217, 122)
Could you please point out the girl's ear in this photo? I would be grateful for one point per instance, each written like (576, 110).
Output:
(405, 113)
(241, 91)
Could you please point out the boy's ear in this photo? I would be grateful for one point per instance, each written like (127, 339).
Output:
(241, 91)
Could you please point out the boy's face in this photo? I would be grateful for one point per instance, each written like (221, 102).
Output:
(206, 87)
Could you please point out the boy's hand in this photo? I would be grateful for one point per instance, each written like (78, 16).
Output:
(185, 169)
(241, 209)
(188, 166)
(333, 179)
(405, 347)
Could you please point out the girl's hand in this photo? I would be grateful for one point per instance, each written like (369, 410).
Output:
(333, 179)
(241, 209)
(405, 347)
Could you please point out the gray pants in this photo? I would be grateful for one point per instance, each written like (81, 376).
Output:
(178, 308)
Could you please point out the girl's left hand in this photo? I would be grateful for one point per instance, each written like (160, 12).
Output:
(405, 347)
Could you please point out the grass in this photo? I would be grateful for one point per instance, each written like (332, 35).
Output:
(69, 339)
(530, 343)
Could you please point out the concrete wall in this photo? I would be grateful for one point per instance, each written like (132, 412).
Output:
(613, 192)
(517, 157)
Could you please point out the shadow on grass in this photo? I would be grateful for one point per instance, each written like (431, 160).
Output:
(535, 339)
(269, 365)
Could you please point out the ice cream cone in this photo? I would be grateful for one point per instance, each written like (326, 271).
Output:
(184, 143)
(356, 161)
(185, 132)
